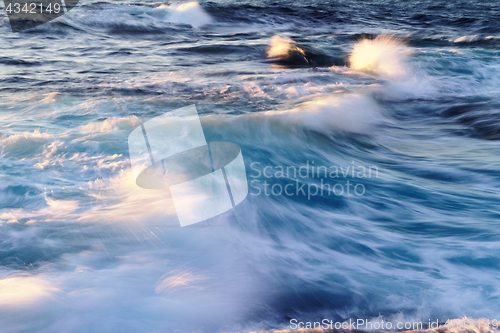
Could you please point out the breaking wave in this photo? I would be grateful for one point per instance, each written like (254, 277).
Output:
(285, 51)
(382, 55)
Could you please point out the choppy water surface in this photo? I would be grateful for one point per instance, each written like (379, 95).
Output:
(406, 89)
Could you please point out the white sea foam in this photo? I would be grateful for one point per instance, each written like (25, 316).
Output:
(25, 143)
(24, 291)
(383, 55)
(50, 98)
(280, 47)
(204, 284)
(467, 38)
(351, 113)
(179, 280)
(121, 200)
(388, 58)
(143, 18)
(187, 13)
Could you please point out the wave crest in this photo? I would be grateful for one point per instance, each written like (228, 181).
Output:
(286, 51)
(187, 13)
(383, 55)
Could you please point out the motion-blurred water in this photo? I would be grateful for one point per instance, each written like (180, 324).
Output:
(407, 88)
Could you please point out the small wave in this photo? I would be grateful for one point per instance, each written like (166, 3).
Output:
(328, 114)
(478, 118)
(287, 52)
(282, 47)
(462, 39)
(18, 62)
(356, 114)
(50, 98)
(26, 143)
(137, 18)
(187, 13)
(476, 39)
(20, 195)
(112, 124)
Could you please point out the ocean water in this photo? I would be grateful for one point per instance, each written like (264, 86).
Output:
(400, 98)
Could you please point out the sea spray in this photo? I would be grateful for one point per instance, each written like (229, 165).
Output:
(287, 52)
(187, 13)
(383, 55)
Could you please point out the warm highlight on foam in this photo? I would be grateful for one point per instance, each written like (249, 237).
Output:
(280, 47)
(187, 13)
(382, 55)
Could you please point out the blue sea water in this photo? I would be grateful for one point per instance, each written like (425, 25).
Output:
(406, 89)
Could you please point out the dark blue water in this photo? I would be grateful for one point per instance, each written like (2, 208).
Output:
(403, 93)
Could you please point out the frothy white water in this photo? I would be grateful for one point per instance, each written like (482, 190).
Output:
(388, 58)
(468, 38)
(162, 287)
(111, 124)
(188, 279)
(187, 13)
(280, 47)
(482, 325)
(383, 55)
(24, 290)
(23, 143)
(142, 18)
(353, 113)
